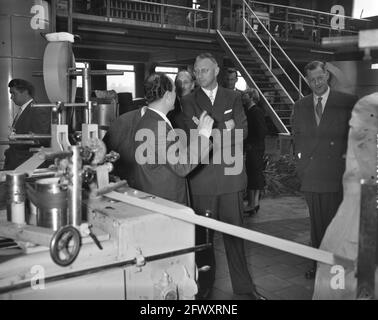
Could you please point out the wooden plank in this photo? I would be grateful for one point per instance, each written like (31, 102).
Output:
(264, 239)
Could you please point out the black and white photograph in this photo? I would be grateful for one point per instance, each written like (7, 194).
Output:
(200, 150)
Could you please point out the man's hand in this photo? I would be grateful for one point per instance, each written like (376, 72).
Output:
(230, 124)
(205, 124)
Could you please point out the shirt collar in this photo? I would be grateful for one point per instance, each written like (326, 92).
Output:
(26, 104)
(161, 114)
(214, 91)
(324, 97)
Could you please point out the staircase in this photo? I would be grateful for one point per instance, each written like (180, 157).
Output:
(258, 64)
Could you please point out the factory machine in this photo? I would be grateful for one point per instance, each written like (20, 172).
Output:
(73, 241)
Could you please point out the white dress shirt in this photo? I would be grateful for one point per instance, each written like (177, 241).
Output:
(161, 114)
(214, 93)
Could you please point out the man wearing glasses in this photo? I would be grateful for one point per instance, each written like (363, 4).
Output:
(320, 129)
(210, 188)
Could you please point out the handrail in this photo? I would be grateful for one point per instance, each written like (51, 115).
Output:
(171, 6)
(309, 10)
(310, 25)
(275, 59)
(301, 77)
(246, 73)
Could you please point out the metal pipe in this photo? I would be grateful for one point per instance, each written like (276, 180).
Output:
(30, 136)
(74, 189)
(52, 105)
(120, 264)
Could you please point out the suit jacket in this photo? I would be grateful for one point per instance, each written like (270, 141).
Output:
(322, 148)
(120, 138)
(31, 120)
(165, 178)
(210, 179)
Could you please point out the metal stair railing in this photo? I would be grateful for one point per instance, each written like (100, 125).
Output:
(301, 77)
(276, 119)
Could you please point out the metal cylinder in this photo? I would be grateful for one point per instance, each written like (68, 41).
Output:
(74, 189)
(16, 197)
(56, 217)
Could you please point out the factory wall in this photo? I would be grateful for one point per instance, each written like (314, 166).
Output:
(21, 53)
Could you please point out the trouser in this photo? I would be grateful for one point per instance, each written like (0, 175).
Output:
(322, 207)
(227, 208)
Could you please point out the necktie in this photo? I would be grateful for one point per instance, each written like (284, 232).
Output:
(319, 110)
(211, 96)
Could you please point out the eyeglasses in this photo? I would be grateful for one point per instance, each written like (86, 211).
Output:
(201, 71)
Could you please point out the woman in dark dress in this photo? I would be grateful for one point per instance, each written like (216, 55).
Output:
(255, 148)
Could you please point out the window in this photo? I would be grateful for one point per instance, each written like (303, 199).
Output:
(241, 84)
(169, 71)
(124, 83)
(79, 79)
(365, 8)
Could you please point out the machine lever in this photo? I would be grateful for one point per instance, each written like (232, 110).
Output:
(94, 238)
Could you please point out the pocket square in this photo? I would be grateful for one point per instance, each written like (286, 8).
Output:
(228, 111)
(195, 120)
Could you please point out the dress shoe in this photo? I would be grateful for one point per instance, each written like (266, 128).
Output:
(310, 274)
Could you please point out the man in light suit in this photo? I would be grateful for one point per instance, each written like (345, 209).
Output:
(320, 128)
(27, 120)
(210, 187)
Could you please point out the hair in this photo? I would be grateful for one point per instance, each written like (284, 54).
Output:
(191, 75)
(156, 85)
(253, 94)
(313, 65)
(207, 55)
(22, 85)
(232, 71)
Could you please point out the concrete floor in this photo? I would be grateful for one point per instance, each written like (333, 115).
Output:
(277, 275)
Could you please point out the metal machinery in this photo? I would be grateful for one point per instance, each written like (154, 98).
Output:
(77, 244)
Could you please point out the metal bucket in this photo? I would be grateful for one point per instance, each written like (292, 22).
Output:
(56, 217)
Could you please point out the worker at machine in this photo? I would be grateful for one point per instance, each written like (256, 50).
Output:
(27, 120)
(158, 173)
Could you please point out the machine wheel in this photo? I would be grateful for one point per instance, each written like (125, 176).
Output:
(65, 245)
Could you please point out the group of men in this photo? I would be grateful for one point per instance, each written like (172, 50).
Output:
(320, 130)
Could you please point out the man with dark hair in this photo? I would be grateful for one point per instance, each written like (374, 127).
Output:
(210, 187)
(230, 79)
(27, 120)
(320, 128)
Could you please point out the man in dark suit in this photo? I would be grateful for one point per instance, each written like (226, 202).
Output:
(120, 138)
(27, 120)
(163, 161)
(320, 129)
(211, 186)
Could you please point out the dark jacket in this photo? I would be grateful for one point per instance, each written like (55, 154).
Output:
(211, 179)
(322, 148)
(120, 138)
(31, 120)
(162, 177)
